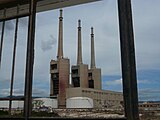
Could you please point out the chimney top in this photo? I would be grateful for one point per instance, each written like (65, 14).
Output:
(61, 12)
(91, 30)
(79, 23)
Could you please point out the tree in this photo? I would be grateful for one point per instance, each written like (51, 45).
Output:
(37, 103)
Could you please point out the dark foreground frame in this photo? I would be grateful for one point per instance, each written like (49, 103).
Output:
(127, 58)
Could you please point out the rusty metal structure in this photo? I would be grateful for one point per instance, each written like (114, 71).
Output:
(14, 9)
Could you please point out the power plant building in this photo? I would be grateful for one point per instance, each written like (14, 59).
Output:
(85, 82)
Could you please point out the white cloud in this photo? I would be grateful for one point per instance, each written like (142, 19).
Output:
(115, 82)
(143, 82)
(9, 25)
(48, 44)
(40, 92)
(4, 92)
(20, 92)
(119, 82)
(149, 94)
(16, 92)
(146, 27)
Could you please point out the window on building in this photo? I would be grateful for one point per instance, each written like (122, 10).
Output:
(54, 76)
(74, 71)
(53, 66)
(76, 82)
(55, 86)
(91, 83)
(89, 74)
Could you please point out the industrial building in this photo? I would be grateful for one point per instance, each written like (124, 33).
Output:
(85, 81)
(149, 105)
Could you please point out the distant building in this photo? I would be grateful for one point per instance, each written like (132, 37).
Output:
(149, 106)
(85, 81)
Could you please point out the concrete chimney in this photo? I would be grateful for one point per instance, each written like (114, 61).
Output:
(93, 65)
(79, 56)
(60, 37)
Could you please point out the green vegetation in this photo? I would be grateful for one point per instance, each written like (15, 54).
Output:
(34, 114)
(3, 113)
(44, 114)
(37, 103)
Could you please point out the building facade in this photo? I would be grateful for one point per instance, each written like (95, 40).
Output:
(59, 71)
(149, 105)
(101, 98)
(94, 74)
(78, 72)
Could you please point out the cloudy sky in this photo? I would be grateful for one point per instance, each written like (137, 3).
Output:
(103, 16)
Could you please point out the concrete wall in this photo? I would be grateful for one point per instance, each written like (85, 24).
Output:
(101, 98)
(64, 72)
(96, 76)
(82, 74)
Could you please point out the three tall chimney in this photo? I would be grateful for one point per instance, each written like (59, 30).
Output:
(79, 56)
(93, 65)
(60, 37)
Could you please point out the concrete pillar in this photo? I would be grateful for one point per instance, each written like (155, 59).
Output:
(128, 60)
(29, 60)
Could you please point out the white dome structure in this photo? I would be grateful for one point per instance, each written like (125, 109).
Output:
(79, 102)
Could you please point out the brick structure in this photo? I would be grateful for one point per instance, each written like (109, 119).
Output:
(94, 74)
(59, 70)
(79, 71)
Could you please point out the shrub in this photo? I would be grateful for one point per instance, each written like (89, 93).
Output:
(2, 112)
(44, 114)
